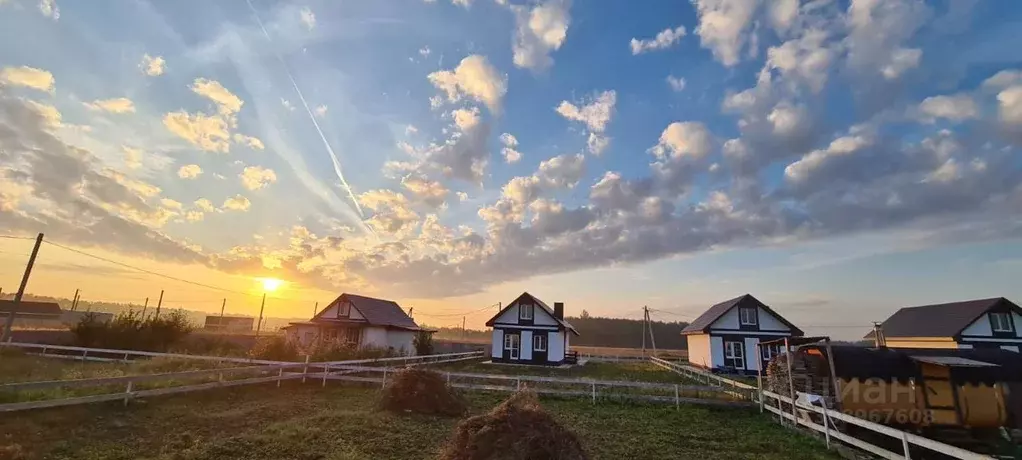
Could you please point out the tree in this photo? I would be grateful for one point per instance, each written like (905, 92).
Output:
(423, 343)
(585, 315)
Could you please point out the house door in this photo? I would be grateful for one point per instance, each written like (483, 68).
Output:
(734, 355)
(512, 345)
(539, 346)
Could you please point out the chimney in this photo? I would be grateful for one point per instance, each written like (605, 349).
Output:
(559, 310)
(878, 336)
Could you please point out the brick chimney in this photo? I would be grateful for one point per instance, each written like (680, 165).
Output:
(559, 310)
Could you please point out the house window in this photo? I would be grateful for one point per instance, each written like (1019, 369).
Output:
(525, 311)
(769, 351)
(539, 342)
(1001, 322)
(734, 355)
(343, 310)
(748, 316)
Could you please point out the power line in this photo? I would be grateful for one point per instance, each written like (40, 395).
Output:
(13, 237)
(457, 314)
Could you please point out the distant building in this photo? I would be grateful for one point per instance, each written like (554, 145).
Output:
(29, 309)
(528, 331)
(229, 323)
(983, 323)
(360, 321)
(725, 336)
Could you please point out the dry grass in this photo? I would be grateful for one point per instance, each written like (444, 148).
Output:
(421, 391)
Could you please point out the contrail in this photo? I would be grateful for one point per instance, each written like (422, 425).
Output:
(294, 84)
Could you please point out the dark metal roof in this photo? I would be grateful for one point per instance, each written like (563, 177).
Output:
(380, 312)
(940, 320)
(543, 305)
(29, 308)
(702, 323)
(851, 362)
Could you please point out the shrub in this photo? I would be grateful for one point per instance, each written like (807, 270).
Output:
(130, 331)
(276, 348)
(323, 349)
(423, 343)
(518, 428)
(421, 391)
(212, 346)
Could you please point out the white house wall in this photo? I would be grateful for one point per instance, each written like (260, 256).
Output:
(1017, 319)
(497, 350)
(717, 351)
(979, 327)
(402, 341)
(555, 346)
(752, 359)
(355, 314)
(699, 350)
(728, 320)
(541, 318)
(374, 337)
(768, 322)
(526, 345)
(510, 316)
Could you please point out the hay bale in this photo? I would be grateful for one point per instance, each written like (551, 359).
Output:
(517, 429)
(420, 391)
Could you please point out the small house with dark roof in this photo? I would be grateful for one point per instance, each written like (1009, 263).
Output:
(528, 331)
(359, 321)
(725, 336)
(30, 309)
(982, 323)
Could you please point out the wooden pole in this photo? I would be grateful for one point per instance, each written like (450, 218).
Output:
(74, 299)
(759, 374)
(791, 380)
(649, 327)
(315, 309)
(145, 307)
(21, 289)
(463, 333)
(833, 376)
(159, 304)
(644, 312)
(223, 305)
(261, 307)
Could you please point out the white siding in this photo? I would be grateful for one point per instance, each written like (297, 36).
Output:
(302, 334)
(402, 341)
(567, 340)
(751, 357)
(699, 350)
(541, 318)
(498, 344)
(353, 313)
(728, 320)
(964, 346)
(1010, 348)
(768, 322)
(1017, 319)
(979, 327)
(526, 353)
(717, 351)
(374, 337)
(555, 346)
(510, 316)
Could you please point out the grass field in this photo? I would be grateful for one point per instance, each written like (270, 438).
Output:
(309, 422)
(635, 371)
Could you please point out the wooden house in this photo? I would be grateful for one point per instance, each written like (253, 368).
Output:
(528, 331)
(360, 321)
(982, 323)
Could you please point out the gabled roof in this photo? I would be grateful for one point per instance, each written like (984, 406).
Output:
(940, 320)
(29, 308)
(535, 301)
(702, 324)
(378, 312)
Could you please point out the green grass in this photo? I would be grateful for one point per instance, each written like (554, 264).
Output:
(634, 371)
(309, 422)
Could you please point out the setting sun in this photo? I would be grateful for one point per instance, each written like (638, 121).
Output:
(271, 284)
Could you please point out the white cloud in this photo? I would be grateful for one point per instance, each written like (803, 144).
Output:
(237, 203)
(466, 119)
(208, 132)
(308, 18)
(902, 60)
(194, 216)
(676, 83)
(116, 105)
(205, 205)
(29, 77)
(287, 104)
(1010, 106)
(509, 151)
(562, 170)
(1003, 79)
(49, 113)
(663, 40)
(49, 9)
(320, 111)
(462, 196)
(462, 3)
(257, 177)
(424, 51)
(430, 192)
(189, 171)
(684, 139)
(152, 66)
(132, 157)
(595, 114)
(723, 27)
(410, 129)
(171, 204)
(250, 141)
(227, 102)
(955, 108)
(474, 78)
(539, 31)
(597, 143)
(804, 59)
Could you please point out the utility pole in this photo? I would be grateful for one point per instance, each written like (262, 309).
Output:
(144, 307)
(261, 307)
(21, 289)
(649, 327)
(464, 333)
(644, 313)
(78, 298)
(410, 310)
(222, 307)
(315, 309)
(159, 304)
(74, 299)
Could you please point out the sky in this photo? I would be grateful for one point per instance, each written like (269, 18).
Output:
(836, 159)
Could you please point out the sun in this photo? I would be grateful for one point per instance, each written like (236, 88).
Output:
(271, 284)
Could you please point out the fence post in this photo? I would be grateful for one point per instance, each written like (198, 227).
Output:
(384, 384)
(280, 374)
(518, 384)
(44, 350)
(127, 393)
(448, 379)
(305, 370)
(677, 397)
(326, 370)
(904, 445)
(594, 392)
(125, 357)
(85, 354)
(826, 425)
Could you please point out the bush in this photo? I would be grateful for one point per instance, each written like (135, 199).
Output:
(423, 343)
(130, 331)
(211, 346)
(334, 350)
(421, 391)
(518, 428)
(276, 348)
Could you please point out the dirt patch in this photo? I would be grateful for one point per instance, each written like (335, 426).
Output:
(517, 429)
(421, 391)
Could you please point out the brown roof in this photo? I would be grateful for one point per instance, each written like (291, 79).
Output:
(702, 323)
(940, 320)
(377, 312)
(536, 301)
(29, 308)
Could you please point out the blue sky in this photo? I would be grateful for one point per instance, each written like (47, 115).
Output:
(837, 159)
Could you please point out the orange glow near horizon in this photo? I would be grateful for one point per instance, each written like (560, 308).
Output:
(271, 284)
